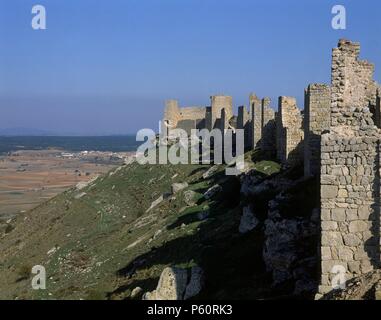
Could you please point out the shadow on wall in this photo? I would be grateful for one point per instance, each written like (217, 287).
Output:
(268, 141)
(295, 157)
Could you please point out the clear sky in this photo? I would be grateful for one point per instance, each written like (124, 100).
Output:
(106, 66)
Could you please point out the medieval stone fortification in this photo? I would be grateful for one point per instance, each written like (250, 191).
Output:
(337, 137)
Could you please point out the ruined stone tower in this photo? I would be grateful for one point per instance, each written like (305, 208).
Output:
(172, 112)
(256, 120)
(350, 177)
(244, 122)
(289, 132)
(218, 104)
(317, 113)
(268, 136)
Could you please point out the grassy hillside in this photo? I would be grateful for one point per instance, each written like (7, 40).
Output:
(100, 242)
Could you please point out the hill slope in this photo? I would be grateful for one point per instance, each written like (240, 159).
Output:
(100, 242)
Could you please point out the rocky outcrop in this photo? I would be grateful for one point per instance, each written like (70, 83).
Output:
(177, 284)
(190, 197)
(248, 221)
(136, 293)
(177, 187)
(210, 172)
(286, 251)
(211, 192)
(155, 203)
(83, 184)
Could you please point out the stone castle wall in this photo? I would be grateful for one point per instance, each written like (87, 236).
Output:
(290, 135)
(244, 122)
(268, 145)
(317, 113)
(338, 137)
(353, 86)
(172, 112)
(256, 120)
(219, 103)
(350, 172)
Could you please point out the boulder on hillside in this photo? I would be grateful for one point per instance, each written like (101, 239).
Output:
(177, 187)
(211, 192)
(210, 172)
(155, 203)
(83, 184)
(136, 293)
(190, 197)
(177, 284)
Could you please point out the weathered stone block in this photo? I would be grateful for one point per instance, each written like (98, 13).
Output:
(326, 253)
(329, 225)
(325, 214)
(329, 192)
(364, 212)
(351, 240)
(327, 266)
(345, 254)
(338, 214)
(331, 238)
(354, 267)
(351, 214)
(358, 226)
(328, 179)
(342, 192)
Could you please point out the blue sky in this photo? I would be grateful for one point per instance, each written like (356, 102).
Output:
(107, 66)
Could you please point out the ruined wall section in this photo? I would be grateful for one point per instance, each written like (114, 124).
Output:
(243, 122)
(289, 135)
(268, 145)
(192, 113)
(172, 112)
(350, 173)
(219, 103)
(243, 117)
(353, 87)
(317, 113)
(256, 121)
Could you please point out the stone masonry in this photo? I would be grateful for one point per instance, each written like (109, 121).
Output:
(256, 120)
(244, 122)
(268, 145)
(350, 171)
(317, 112)
(189, 118)
(218, 104)
(289, 140)
(281, 134)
